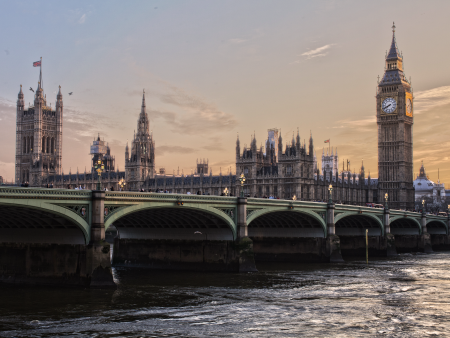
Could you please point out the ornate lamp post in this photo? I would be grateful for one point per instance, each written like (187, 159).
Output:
(99, 167)
(242, 180)
(122, 183)
(294, 198)
(423, 206)
(330, 189)
(225, 191)
(386, 196)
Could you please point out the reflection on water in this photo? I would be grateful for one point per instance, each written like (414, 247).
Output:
(403, 297)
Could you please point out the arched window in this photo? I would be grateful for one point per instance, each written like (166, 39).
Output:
(24, 145)
(48, 145)
(43, 144)
(53, 145)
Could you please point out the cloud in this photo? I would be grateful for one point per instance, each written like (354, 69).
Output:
(315, 53)
(318, 52)
(432, 98)
(367, 122)
(197, 116)
(214, 147)
(223, 164)
(82, 20)
(85, 124)
(162, 150)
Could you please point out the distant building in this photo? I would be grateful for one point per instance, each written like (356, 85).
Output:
(202, 166)
(330, 162)
(424, 187)
(100, 151)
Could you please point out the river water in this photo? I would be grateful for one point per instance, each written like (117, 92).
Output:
(407, 296)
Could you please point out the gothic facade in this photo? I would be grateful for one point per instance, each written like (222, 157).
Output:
(38, 138)
(278, 169)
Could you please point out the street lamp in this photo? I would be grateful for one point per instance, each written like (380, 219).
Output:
(294, 198)
(423, 206)
(225, 191)
(99, 167)
(242, 180)
(330, 189)
(122, 183)
(386, 201)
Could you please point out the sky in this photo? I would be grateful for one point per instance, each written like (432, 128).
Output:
(212, 70)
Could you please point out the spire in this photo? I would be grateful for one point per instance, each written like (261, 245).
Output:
(393, 51)
(238, 146)
(143, 112)
(21, 92)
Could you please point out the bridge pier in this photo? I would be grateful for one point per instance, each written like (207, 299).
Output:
(333, 245)
(98, 253)
(244, 243)
(389, 239)
(425, 238)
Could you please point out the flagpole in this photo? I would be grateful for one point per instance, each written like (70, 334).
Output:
(40, 75)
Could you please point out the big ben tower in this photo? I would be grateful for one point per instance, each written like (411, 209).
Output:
(395, 122)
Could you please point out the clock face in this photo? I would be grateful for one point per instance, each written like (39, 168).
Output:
(409, 107)
(389, 105)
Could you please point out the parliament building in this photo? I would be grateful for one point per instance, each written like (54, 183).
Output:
(280, 169)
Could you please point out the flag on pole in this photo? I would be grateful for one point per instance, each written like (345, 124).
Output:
(327, 141)
(37, 64)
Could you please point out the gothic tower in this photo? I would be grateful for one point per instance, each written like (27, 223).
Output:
(394, 102)
(140, 164)
(38, 138)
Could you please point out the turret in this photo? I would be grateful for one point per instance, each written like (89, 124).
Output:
(311, 145)
(59, 126)
(253, 145)
(280, 145)
(238, 148)
(363, 174)
(20, 101)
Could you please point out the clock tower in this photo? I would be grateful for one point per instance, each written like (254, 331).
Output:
(395, 120)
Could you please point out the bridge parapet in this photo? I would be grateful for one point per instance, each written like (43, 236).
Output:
(44, 193)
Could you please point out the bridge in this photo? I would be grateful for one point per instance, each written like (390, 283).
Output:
(57, 236)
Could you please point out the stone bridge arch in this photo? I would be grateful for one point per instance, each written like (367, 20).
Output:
(295, 222)
(437, 227)
(401, 225)
(354, 223)
(44, 221)
(159, 220)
